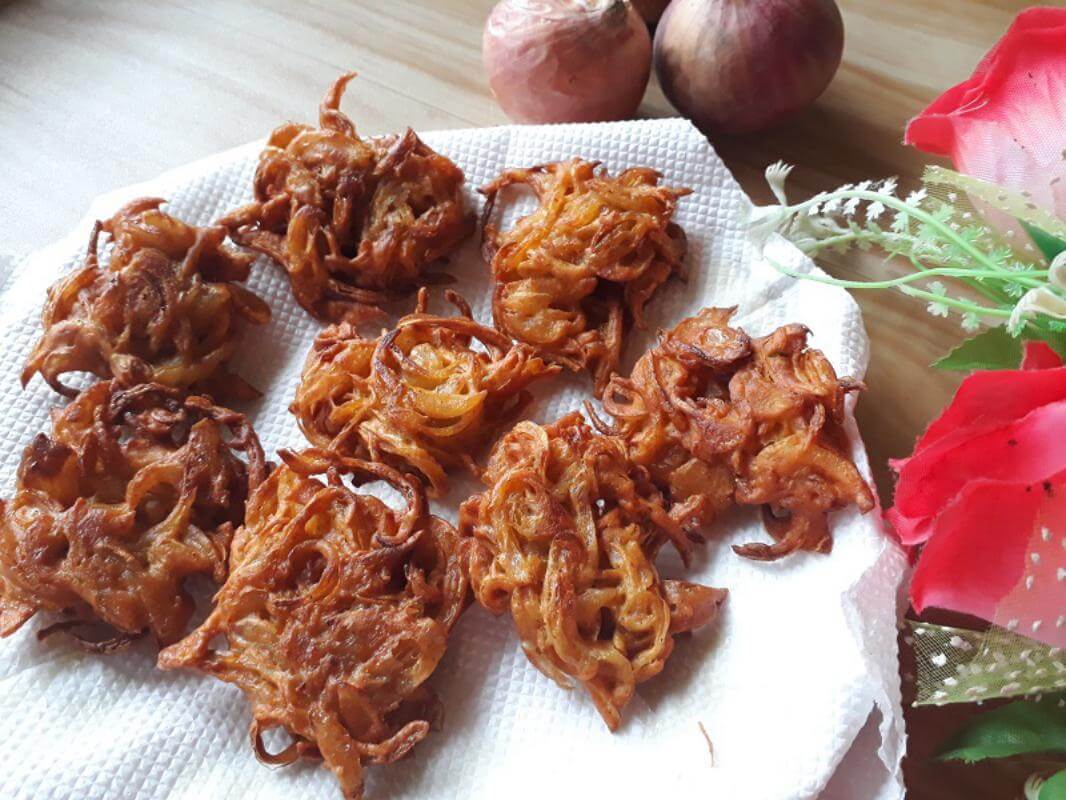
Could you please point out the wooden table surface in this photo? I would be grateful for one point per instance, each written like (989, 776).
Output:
(94, 96)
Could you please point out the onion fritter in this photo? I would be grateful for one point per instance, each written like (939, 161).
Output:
(168, 308)
(719, 419)
(592, 254)
(417, 397)
(135, 491)
(336, 611)
(566, 537)
(353, 221)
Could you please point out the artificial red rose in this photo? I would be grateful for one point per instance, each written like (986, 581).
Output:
(1040, 355)
(1007, 123)
(984, 493)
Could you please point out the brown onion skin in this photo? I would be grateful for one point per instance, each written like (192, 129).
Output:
(740, 66)
(560, 61)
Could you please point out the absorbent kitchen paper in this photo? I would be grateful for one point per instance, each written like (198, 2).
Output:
(764, 704)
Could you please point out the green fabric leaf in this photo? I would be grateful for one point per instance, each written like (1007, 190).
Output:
(1054, 788)
(994, 348)
(1014, 729)
(1048, 244)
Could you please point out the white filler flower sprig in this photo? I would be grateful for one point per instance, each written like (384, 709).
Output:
(956, 228)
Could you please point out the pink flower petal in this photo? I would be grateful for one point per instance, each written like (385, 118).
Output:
(1025, 451)
(1036, 604)
(1007, 123)
(990, 399)
(978, 553)
(909, 530)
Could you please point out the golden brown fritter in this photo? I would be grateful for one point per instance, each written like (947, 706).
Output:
(565, 538)
(417, 397)
(135, 491)
(719, 419)
(354, 222)
(168, 308)
(336, 611)
(573, 274)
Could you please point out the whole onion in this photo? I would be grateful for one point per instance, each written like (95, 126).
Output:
(738, 66)
(567, 60)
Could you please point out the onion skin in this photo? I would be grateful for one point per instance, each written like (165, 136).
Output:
(567, 60)
(651, 10)
(740, 66)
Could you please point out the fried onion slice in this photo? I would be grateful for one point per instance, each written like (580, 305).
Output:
(168, 308)
(336, 611)
(565, 538)
(135, 491)
(418, 397)
(570, 276)
(719, 419)
(354, 222)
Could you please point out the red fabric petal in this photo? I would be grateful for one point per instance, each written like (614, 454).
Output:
(1035, 38)
(1007, 122)
(1027, 22)
(988, 400)
(1040, 355)
(1027, 450)
(910, 530)
(978, 553)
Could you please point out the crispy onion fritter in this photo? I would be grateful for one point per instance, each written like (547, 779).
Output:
(418, 397)
(336, 611)
(566, 537)
(168, 308)
(570, 276)
(353, 221)
(719, 419)
(135, 491)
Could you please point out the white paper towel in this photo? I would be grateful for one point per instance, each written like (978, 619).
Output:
(783, 684)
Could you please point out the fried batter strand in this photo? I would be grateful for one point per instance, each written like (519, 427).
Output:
(574, 273)
(135, 491)
(167, 309)
(719, 419)
(336, 611)
(566, 537)
(417, 397)
(353, 221)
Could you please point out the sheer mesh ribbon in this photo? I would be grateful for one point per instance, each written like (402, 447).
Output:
(961, 666)
(984, 196)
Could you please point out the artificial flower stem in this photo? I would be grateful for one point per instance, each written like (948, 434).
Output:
(989, 292)
(975, 280)
(951, 302)
(889, 201)
(947, 272)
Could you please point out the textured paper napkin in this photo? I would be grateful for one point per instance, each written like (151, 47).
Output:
(804, 651)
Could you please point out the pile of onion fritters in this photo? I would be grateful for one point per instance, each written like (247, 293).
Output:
(334, 609)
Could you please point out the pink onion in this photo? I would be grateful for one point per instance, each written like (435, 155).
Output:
(567, 60)
(738, 66)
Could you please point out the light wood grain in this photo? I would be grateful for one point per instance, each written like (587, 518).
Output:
(96, 96)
